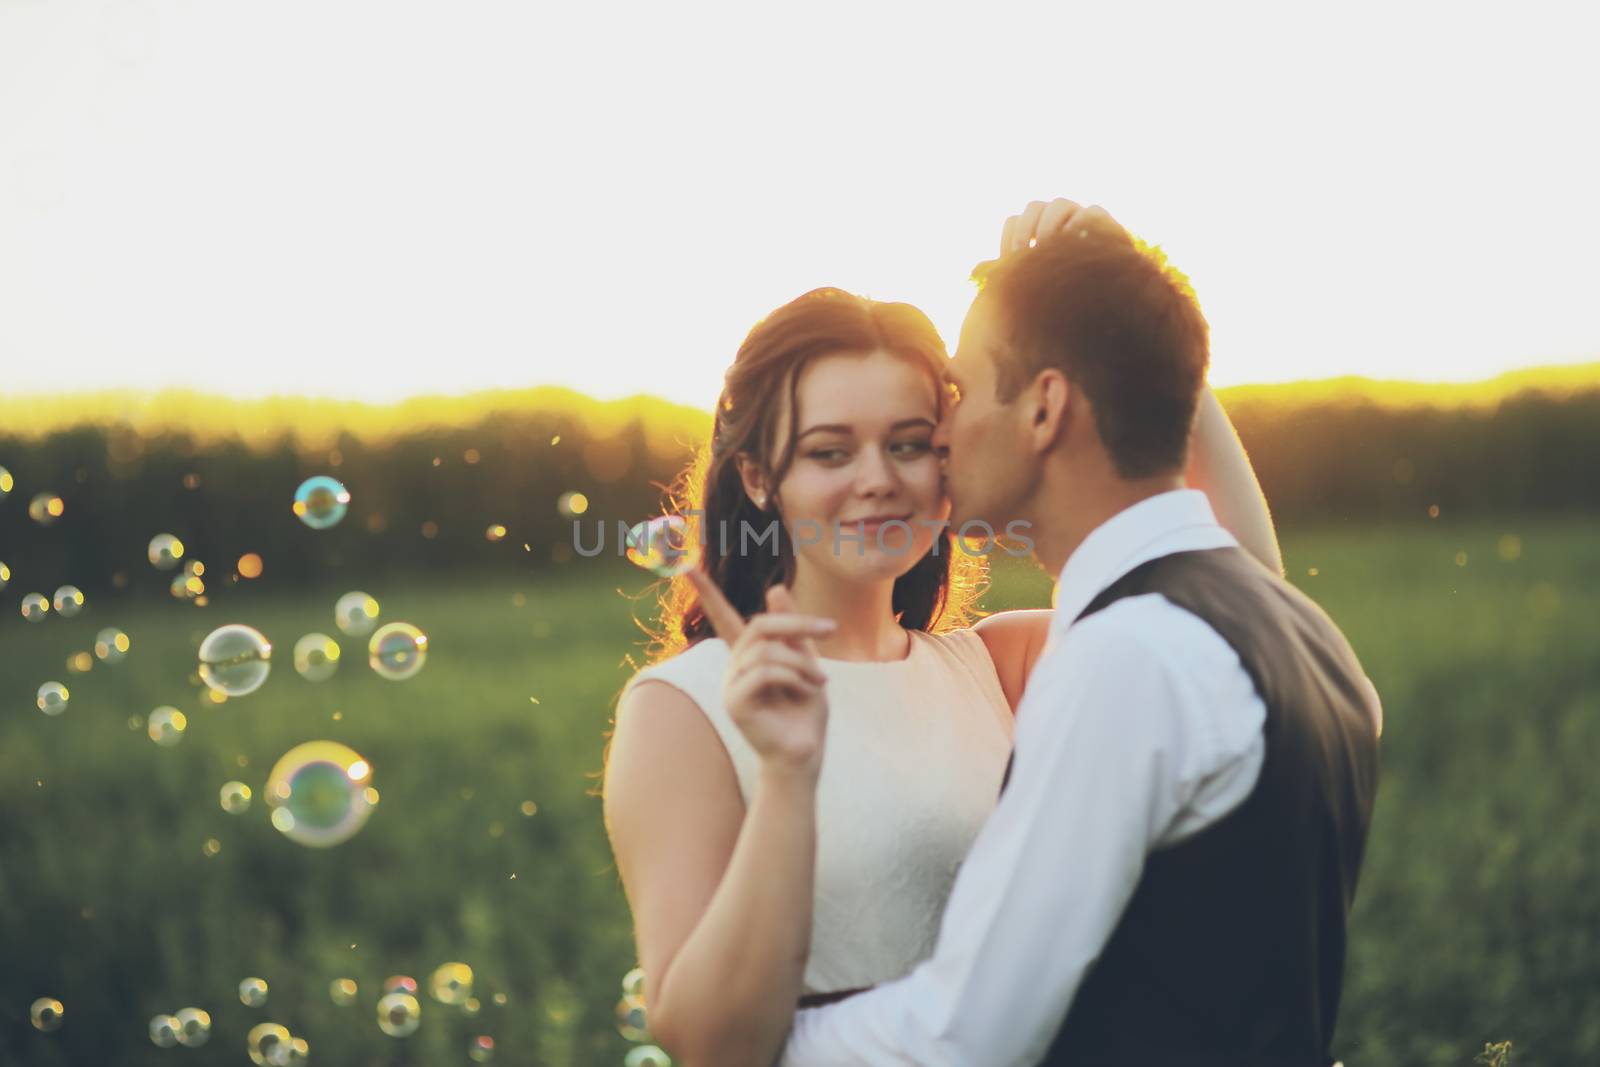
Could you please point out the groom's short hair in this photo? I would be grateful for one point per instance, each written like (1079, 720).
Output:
(1120, 323)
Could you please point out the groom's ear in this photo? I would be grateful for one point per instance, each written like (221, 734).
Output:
(1049, 409)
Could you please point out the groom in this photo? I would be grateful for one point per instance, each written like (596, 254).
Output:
(1167, 876)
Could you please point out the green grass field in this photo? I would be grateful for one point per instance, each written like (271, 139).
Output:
(1477, 917)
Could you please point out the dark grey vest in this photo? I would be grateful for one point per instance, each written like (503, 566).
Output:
(1231, 950)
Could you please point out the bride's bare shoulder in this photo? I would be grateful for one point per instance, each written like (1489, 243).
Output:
(1014, 640)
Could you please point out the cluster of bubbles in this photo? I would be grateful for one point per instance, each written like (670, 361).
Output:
(666, 546)
(319, 793)
(632, 1024)
(190, 1027)
(272, 1045)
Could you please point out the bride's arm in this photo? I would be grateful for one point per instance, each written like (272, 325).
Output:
(1219, 466)
(721, 898)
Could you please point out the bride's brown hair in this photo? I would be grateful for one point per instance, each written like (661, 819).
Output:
(935, 595)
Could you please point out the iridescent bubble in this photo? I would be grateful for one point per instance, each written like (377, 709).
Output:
(164, 1031)
(400, 983)
(316, 657)
(321, 502)
(299, 1052)
(356, 614)
(633, 986)
(451, 983)
(111, 645)
(165, 551)
(664, 545)
(68, 601)
(631, 1021)
(319, 793)
(7, 483)
(399, 1014)
(253, 992)
(342, 991)
(495, 532)
(166, 726)
(35, 606)
(481, 1049)
(471, 1007)
(397, 651)
(46, 508)
(188, 586)
(646, 1056)
(268, 1044)
(46, 1012)
(194, 1027)
(571, 505)
(5, 575)
(235, 659)
(52, 698)
(235, 798)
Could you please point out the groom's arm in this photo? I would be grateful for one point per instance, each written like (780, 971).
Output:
(1116, 732)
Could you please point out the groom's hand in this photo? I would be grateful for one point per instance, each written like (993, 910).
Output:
(773, 686)
(1039, 220)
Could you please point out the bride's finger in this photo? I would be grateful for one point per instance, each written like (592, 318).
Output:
(725, 618)
(772, 676)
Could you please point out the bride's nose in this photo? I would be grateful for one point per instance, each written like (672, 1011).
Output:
(876, 475)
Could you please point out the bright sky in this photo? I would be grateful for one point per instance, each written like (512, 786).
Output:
(374, 199)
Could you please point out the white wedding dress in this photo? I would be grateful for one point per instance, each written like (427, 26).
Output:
(911, 768)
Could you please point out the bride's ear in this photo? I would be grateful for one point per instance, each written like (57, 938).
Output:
(754, 479)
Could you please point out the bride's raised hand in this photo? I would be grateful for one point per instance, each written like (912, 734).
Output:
(1039, 220)
(773, 686)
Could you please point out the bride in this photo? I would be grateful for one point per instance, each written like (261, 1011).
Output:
(825, 424)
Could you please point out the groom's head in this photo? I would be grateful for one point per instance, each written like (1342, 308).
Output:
(1083, 352)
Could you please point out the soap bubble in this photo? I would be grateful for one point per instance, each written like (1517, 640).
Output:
(164, 1031)
(7, 483)
(52, 698)
(268, 1044)
(68, 601)
(571, 505)
(319, 792)
(400, 983)
(165, 551)
(316, 657)
(194, 1027)
(342, 991)
(253, 992)
(111, 645)
(451, 983)
(46, 1012)
(633, 986)
(35, 607)
(664, 545)
(356, 614)
(235, 659)
(481, 1049)
(321, 502)
(166, 726)
(299, 1052)
(646, 1056)
(470, 1007)
(399, 1014)
(397, 651)
(495, 532)
(5, 574)
(631, 1021)
(235, 798)
(46, 508)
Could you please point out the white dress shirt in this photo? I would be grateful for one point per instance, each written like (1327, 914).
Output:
(1139, 727)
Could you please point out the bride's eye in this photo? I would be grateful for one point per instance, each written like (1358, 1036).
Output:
(910, 448)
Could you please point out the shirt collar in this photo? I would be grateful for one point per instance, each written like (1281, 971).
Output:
(1179, 520)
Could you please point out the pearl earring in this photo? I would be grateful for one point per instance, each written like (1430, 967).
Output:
(761, 500)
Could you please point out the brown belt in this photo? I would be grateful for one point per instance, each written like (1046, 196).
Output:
(818, 1000)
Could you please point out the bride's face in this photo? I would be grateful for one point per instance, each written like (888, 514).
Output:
(863, 452)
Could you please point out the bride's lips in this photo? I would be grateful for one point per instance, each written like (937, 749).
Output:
(876, 521)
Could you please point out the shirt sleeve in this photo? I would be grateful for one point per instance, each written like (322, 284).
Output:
(1112, 739)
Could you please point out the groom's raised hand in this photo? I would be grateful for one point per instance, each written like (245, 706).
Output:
(773, 686)
(1039, 220)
